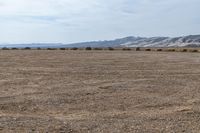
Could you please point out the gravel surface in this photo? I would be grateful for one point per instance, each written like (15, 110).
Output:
(99, 91)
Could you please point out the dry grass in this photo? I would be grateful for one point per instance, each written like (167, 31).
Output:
(99, 91)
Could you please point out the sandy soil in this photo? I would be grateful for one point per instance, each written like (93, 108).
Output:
(99, 91)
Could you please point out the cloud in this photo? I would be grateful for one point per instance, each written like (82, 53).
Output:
(77, 20)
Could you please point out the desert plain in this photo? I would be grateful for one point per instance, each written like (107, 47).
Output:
(99, 91)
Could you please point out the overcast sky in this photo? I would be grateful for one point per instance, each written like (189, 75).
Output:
(66, 21)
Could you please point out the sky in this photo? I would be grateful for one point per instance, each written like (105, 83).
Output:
(68, 21)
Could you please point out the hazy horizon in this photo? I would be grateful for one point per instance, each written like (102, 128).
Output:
(58, 43)
(70, 21)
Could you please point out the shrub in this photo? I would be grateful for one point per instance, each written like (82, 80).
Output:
(88, 48)
(14, 48)
(137, 49)
(184, 50)
(5, 48)
(38, 48)
(74, 48)
(159, 50)
(148, 49)
(171, 50)
(62, 48)
(27, 48)
(194, 50)
(110, 48)
(126, 49)
(51, 48)
(98, 48)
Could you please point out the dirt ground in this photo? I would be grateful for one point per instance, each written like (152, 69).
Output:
(99, 91)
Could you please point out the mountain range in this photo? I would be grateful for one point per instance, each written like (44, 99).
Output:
(184, 41)
(131, 41)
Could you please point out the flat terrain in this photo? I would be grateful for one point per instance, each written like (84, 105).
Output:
(99, 91)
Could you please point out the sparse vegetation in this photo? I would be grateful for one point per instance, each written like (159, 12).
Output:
(148, 49)
(98, 48)
(171, 50)
(194, 50)
(62, 48)
(88, 48)
(14, 48)
(74, 48)
(137, 49)
(184, 50)
(5, 48)
(51, 49)
(159, 50)
(110, 48)
(126, 49)
(27, 48)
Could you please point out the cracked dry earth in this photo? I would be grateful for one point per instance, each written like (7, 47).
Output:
(99, 91)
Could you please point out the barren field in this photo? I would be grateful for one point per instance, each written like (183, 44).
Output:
(99, 91)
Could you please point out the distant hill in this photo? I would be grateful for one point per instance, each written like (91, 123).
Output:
(191, 40)
(184, 41)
